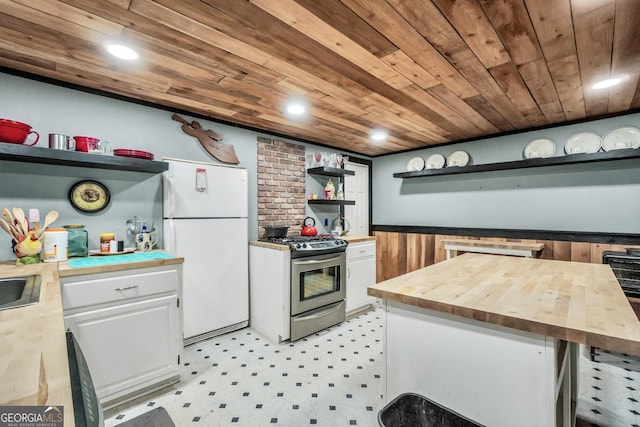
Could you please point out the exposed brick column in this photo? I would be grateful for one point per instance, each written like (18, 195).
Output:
(281, 185)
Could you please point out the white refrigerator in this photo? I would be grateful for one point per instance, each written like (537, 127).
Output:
(205, 221)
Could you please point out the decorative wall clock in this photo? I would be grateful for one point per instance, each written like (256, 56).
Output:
(89, 196)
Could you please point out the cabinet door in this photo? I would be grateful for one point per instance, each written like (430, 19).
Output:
(128, 347)
(361, 273)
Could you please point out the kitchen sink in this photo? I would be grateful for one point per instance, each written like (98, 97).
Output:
(19, 291)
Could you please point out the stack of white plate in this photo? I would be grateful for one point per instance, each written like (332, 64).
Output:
(621, 138)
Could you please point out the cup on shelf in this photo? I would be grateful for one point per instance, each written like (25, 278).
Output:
(87, 144)
(105, 147)
(333, 160)
(146, 241)
(61, 142)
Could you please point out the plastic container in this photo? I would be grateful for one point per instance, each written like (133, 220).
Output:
(410, 409)
(78, 239)
(55, 247)
(105, 241)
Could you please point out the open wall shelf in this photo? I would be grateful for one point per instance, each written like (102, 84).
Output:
(331, 202)
(568, 159)
(333, 172)
(40, 155)
(330, 171)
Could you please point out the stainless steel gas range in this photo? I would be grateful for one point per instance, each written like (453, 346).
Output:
(304, 246)
(317, 285)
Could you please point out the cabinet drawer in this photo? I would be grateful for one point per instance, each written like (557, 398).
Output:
(361, 250)
(104, 288)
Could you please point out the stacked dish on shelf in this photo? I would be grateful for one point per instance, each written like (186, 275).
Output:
(135, 154)
(621, 138)
(540, 148)
(458, 158)
(583, 142)
(438, 161)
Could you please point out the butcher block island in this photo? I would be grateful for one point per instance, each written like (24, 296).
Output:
(495, 338)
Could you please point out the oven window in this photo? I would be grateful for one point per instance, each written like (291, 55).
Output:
(319, 282)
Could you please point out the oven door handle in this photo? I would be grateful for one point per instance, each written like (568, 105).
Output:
(316, 261)
(320, 312)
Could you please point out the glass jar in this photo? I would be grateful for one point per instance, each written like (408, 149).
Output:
(105, 241)
(78, 240)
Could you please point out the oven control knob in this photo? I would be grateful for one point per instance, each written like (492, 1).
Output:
(304, 245)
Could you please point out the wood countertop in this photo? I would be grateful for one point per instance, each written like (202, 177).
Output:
(269, 245)
(577, 302)
(495, 244)
(33, 349)
(357, 239)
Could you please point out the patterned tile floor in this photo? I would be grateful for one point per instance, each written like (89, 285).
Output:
(609, 390)
(334, 378)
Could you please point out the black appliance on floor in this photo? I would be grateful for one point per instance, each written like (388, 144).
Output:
(87, 409)
(626, 267)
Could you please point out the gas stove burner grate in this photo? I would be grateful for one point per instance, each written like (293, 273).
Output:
(310, 245)
(298, 239)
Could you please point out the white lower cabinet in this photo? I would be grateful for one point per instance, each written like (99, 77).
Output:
(129, 326)
(270, 292)
(361, 273)
(495, 375)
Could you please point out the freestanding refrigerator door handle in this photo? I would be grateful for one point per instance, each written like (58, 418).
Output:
(170, 238)
(171, 196)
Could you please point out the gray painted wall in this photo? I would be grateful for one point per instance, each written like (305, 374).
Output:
(600, 197)
(54, 109)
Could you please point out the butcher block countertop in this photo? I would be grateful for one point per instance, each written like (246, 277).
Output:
(357, 239)
(495, 244)
(33, 350)
(269, 245)
(577, 302)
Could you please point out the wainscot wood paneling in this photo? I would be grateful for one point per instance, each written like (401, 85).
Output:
(400, 253)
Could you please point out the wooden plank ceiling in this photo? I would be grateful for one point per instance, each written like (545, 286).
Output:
(428, 72)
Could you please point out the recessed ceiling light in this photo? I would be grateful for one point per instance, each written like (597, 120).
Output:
(378, 135)
(296, 109)
(603, 84)
(122, 51)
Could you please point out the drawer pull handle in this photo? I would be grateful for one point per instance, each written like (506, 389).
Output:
(126, 288)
